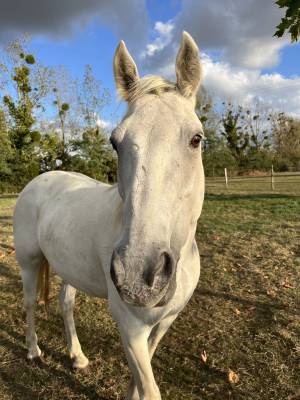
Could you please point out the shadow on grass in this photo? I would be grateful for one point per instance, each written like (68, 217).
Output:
(8, 272)
(247, 302)
(8, 196)
(263, 311)
(6, 218)
(40, 374)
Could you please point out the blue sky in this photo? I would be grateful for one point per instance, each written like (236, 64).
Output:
(95, 45)
(241, 59)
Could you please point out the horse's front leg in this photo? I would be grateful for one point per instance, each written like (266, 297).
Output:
(138, 357)
(154, 338)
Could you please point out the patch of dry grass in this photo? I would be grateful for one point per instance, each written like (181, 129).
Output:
(242, 326)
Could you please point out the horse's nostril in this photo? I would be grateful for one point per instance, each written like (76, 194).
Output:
(117, 271)
(162, 271)
(168, 264)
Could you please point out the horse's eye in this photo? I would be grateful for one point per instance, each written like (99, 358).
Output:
(196, 140)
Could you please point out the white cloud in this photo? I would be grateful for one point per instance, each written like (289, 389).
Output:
(164, 31)
(245, 86)
(104, 124)
(241, 30)
(241, 34)
(257, 53)
(164, 28)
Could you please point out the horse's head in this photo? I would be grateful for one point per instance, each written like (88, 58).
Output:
(160, 175)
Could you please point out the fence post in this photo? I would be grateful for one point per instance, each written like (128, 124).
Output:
(226, 178)
(272, 178)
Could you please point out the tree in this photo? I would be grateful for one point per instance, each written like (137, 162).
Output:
(22, 135)
(291, 21)
(237, 140)
(91, 98)
(5, 149)
(66, 137)
(215, 154)
(62, 111)
(93, 156)
(247, 135)
(216, 157)
(50, 151)
(78, 104)
(286, 136)
(256, 123)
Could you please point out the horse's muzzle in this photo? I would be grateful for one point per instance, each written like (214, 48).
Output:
(142, 283)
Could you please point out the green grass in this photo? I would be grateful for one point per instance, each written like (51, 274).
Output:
(244, 315)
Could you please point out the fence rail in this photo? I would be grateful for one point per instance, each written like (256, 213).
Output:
(272, 182)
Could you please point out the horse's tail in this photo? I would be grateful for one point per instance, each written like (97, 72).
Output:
(43, 285)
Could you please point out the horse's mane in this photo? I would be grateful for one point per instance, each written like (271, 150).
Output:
(150, 85)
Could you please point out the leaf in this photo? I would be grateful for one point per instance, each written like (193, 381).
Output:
(287, 285)
(203, 356)
(271, 293)
(232, 376)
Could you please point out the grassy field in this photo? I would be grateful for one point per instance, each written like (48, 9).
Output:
(282, 183)
(243, 324)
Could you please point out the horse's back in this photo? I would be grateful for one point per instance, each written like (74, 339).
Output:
(55, 183)
(57, 215)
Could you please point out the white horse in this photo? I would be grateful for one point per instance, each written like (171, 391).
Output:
(132, 243)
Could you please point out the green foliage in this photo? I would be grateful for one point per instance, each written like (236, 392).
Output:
(21, 111)
(27, 147)
(291, 21)
(246, 136)
(62, 109)
(235, 137)
(286, 134)
(50, 151)
(5, 149)
(94, 156)
(23, 137)
(217, 156)
(30, 59)
(65, 107)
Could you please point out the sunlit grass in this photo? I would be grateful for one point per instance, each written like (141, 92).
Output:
(244, 315)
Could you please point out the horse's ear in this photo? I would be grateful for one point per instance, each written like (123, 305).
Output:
(125, 71)
(188, 66)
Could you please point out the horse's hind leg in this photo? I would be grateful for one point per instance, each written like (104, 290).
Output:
(67, 302)
(30, 273)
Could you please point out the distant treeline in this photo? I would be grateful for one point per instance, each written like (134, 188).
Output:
(247, 139)
(50, 121)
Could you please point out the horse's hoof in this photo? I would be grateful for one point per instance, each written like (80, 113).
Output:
(36, 361)
(80, 362)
